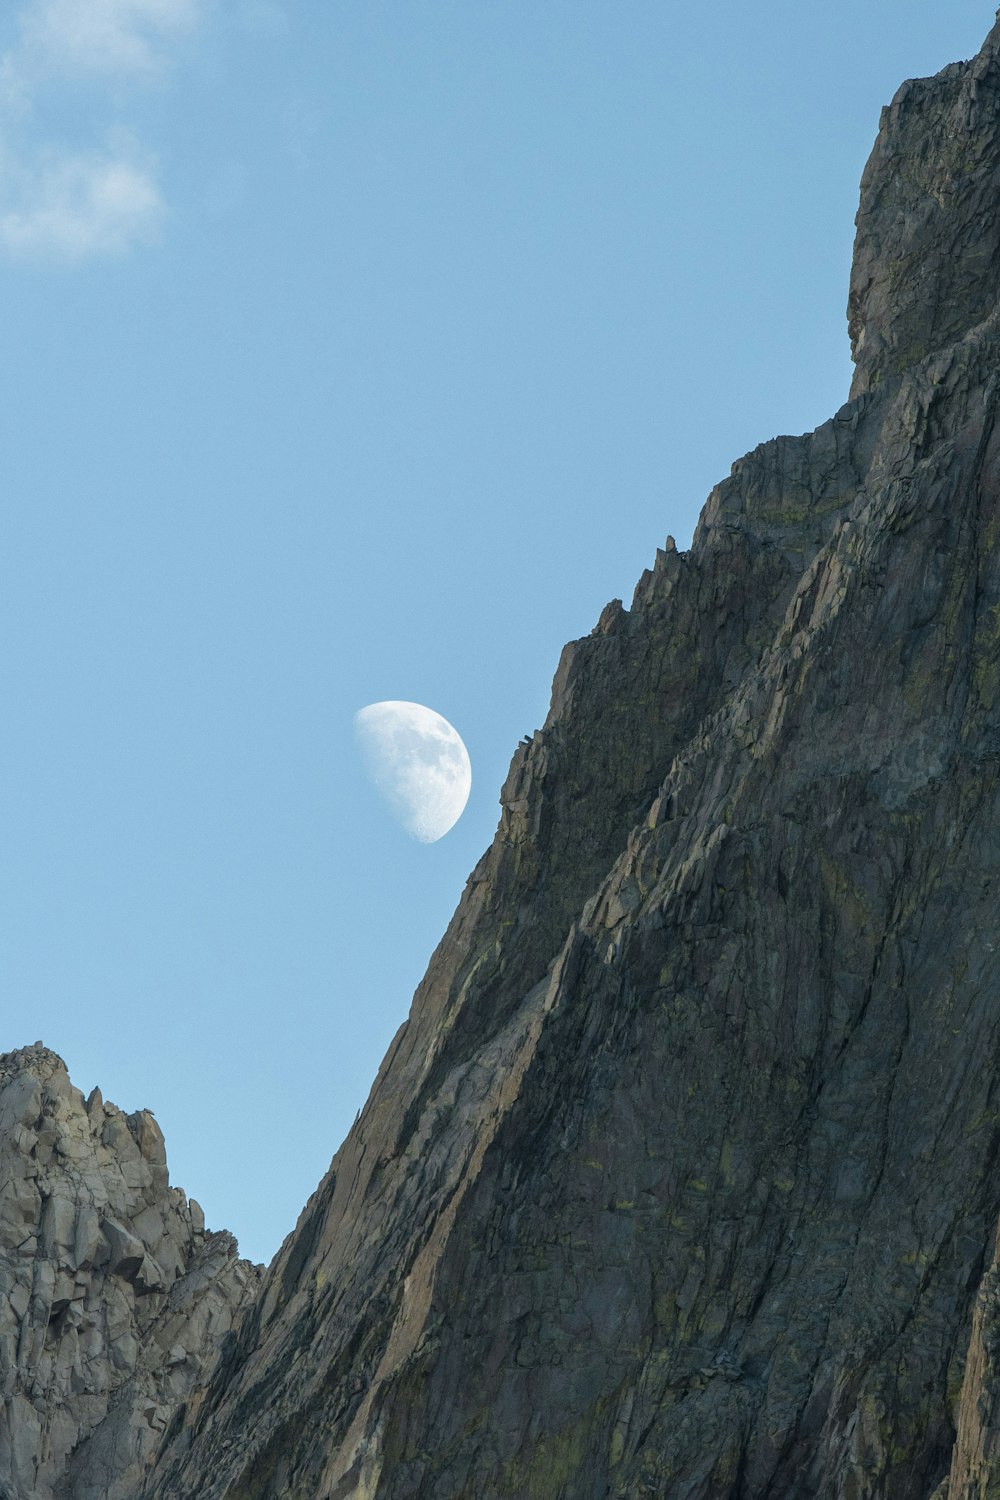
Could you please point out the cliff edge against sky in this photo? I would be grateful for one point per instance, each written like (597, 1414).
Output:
(681, 1180)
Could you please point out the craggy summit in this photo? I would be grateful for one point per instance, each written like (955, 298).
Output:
(682, 1179)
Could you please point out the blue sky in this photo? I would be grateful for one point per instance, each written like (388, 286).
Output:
(358, 350)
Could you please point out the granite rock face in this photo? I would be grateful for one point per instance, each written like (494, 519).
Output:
(113, 1298)
(928, 244)
(682, 1179)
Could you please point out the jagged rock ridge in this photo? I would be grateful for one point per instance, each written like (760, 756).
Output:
(114, 1301)
(681, 1179)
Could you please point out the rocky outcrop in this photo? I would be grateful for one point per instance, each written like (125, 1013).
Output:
(682, 1177)
(114, 1301)
(927, 254)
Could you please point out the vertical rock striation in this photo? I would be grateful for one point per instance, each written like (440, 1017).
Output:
(975, 1469)
(113, 1298)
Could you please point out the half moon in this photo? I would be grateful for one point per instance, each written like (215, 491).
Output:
(418, 763)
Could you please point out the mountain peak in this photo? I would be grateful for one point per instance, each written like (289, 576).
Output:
(927, 254)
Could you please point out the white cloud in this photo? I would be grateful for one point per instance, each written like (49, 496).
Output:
(71, 208)
(61, 203)
(102, 36)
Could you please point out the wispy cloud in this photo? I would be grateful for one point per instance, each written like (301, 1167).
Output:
(103, 36)
(71, 208)
(58, 202)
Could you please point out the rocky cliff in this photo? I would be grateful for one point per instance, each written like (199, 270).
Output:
(682, 1178)
(113, 1299)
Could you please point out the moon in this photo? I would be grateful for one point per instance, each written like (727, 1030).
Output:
(418, 763)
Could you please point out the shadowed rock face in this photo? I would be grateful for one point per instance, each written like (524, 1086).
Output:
(681, 1178)
(927, 257)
